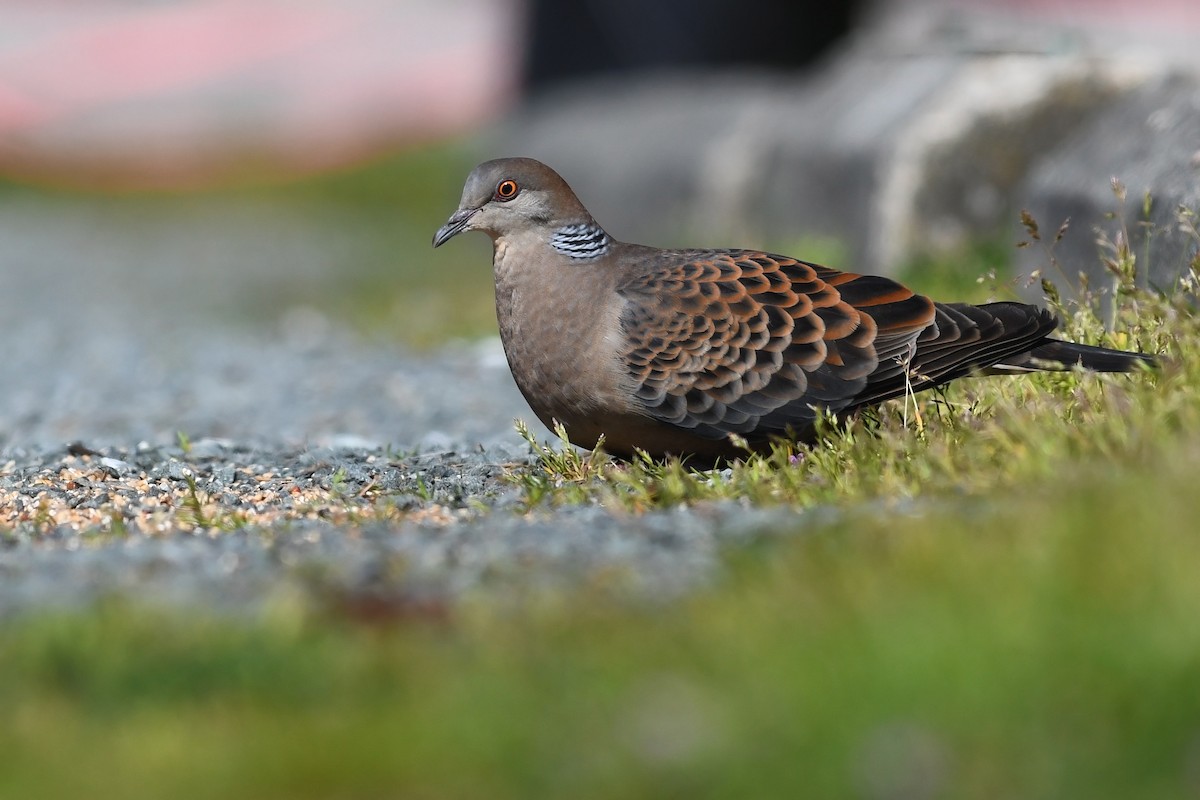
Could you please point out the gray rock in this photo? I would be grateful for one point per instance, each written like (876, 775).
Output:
(115, 466)
(1150, 142)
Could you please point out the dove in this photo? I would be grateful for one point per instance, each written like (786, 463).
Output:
(705, 353)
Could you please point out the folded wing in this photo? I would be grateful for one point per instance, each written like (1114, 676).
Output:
(755, 344)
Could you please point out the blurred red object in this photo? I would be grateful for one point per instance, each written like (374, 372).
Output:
(204, 91)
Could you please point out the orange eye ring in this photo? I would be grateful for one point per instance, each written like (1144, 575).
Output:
(507, 189)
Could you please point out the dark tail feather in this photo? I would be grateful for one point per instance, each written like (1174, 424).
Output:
(1067, 355)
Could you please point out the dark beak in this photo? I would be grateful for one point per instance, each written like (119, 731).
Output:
(454, 226)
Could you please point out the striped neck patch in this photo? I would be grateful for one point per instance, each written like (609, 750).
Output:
(583, 241)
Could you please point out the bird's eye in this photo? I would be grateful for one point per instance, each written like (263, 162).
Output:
(507, 189)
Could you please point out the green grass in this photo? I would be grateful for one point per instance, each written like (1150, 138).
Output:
(1038, 644)
(967, 276)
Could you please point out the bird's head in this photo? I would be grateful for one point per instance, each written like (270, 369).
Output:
(510, 195)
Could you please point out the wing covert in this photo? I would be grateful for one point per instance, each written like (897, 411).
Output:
(741, 341)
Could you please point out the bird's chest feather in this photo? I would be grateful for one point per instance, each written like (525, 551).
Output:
(560, 329)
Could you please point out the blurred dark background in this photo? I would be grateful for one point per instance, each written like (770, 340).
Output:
(569, 41)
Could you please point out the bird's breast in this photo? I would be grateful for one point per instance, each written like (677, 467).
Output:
(560, 325)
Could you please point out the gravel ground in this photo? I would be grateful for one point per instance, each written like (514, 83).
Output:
(314, 468)
(300, 497)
